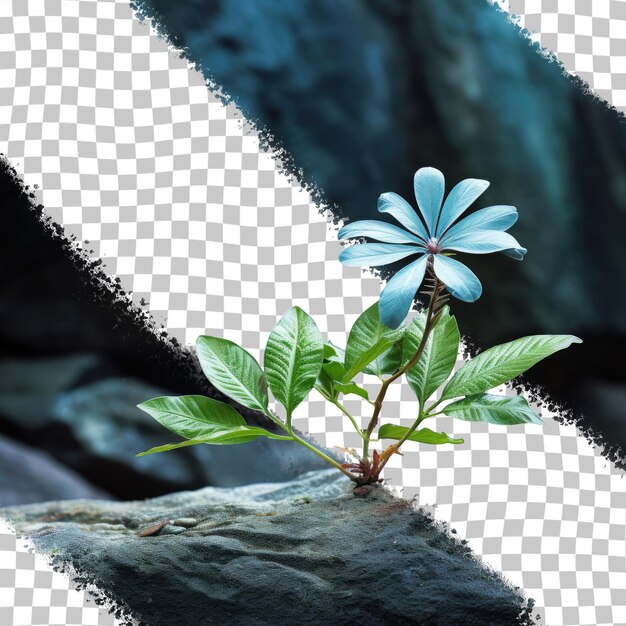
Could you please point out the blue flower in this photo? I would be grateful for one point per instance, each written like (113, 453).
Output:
(432, 237)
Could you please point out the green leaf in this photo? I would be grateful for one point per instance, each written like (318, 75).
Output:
(334, 370)
(236, 435)
(329, 382)
(368, 339)
(501, 363)
(353, 388)
(233, 371)
(387, 363)
(169, 446)
(201, 420)
(493, 409)
(324, 385)
(333, 353)
(192, 417)
(438, 357)
(293, 358)
(337, 372)
(240, 434)
(423, 435)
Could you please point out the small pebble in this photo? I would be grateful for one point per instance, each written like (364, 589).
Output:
(186, 522)
(169, 529)
(152, 530)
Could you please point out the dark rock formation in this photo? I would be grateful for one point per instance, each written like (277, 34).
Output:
(303, 552)
(28, 475)
(95, 428)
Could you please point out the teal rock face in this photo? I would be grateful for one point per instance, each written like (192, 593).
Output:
(301, 552)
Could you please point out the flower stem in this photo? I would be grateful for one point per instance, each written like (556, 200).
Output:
(345, 411)
(432, 318)
(411, 430)
(429, 414)
(319, 453)
(349, 416)
(293, 437)
(275, 419)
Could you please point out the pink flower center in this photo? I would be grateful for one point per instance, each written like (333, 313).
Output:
(432, 246)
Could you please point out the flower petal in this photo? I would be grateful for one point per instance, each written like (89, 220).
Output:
(397, 296)
(491, 218)
(375, 254)
(398, 207)
(516, 253)
(461, 282)
(484, 242)
(429, 185)
(461, 196)
(375, 229)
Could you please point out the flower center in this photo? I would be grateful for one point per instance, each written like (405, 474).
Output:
(432, 246)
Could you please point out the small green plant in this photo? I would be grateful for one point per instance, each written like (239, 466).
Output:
(381, 342)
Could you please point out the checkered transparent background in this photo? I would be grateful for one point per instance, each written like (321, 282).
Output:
(31, 593)
(589, 37)
(134, 155)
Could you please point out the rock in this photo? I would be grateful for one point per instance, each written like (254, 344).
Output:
(185, 522)
(27, 476)
(96, 429)
(256, 557)
(108, 429)
(171, 529)
(93, 428)
(104, 419)
(29, 387)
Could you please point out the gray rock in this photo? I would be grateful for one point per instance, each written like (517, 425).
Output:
(302, 552)
(105, 419)
(185, 522)
(29, 387)
(96, 429)
(171, 529)
(28, 475)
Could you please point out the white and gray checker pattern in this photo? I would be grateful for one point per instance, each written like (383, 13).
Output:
(589, 37)
(31, 593)
(133, 154)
